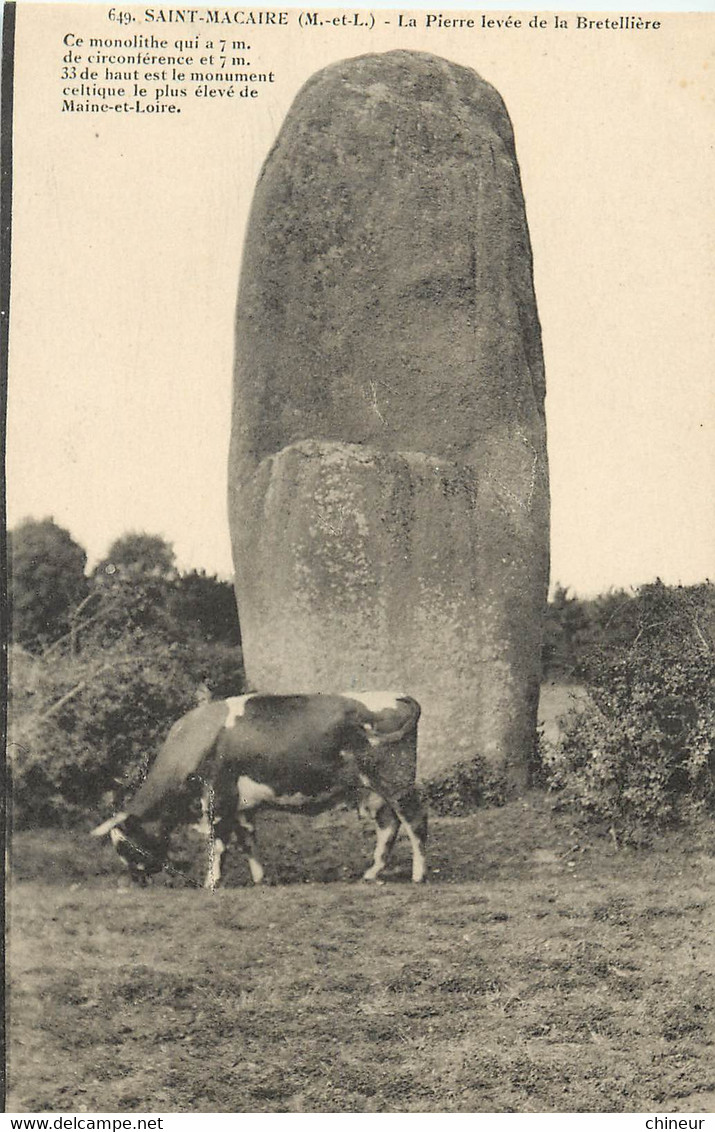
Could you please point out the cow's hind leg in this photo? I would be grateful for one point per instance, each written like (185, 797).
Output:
(219, 834)
(246, 837)
(387, 827)
(411, 811)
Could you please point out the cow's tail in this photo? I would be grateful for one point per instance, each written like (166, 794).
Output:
(190, 741)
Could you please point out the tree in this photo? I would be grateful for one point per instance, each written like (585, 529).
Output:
(575, 627)
(133, 586)
(565, 623)
(47, 581)
(138, 553)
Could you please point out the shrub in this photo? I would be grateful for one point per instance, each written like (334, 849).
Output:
(103, 666)
(639, 753)
(85, 728)
(465, 787)
(205, 607)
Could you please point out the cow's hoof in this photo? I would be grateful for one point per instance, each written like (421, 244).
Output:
(372, 880)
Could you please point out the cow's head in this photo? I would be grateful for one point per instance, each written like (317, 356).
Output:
(141, 845)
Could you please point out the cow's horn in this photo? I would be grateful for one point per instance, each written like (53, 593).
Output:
(108, 825)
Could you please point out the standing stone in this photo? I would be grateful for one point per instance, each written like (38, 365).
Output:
(388, 484)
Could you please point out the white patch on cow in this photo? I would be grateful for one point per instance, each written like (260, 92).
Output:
(376, 701)
(252, 794)
(235, 706)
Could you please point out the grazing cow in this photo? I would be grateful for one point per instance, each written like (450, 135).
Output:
(303, 754)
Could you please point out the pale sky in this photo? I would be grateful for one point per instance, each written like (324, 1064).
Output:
(127, 246)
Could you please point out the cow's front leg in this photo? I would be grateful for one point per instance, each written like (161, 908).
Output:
(387, 827)
(218, 836)
(246, 837)
(216, 850)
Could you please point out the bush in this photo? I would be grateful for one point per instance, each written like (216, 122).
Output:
(103, 666)
(639, 753)
(465, 787)
(205, 607)
(85, 728)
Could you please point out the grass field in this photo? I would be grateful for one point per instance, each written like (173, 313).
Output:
(540, 970)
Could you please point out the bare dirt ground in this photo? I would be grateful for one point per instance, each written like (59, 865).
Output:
(540, 970)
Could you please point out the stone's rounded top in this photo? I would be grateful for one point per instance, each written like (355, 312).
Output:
(393, 84)
(420, 73)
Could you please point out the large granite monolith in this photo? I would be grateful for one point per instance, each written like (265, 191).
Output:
(388, 484)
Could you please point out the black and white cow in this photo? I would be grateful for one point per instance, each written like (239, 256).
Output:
(302, 753)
